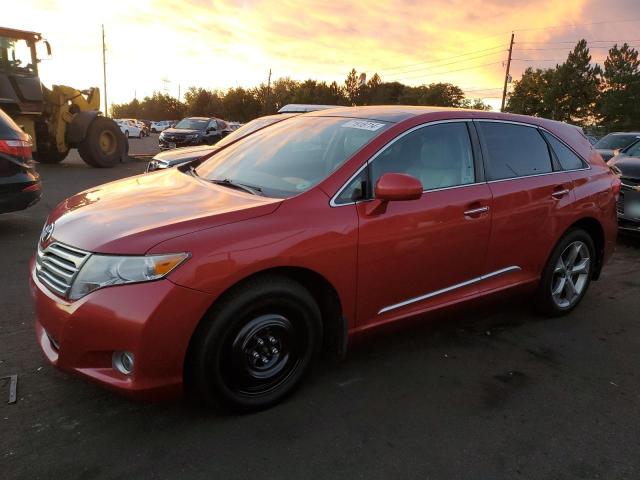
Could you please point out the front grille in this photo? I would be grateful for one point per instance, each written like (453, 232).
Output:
(620, 205)
(57, 266)
(630, 182)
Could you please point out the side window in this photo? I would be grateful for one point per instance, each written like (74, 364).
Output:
(514, 150)
(438, 155)
(355, 190)
(568, 159)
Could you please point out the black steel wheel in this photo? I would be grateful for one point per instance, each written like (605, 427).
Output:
(256, 345)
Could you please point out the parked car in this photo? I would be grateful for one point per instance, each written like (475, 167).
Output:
(129, 128)
(179, 156)
(193, 131)
(592, 139)
(157, 127)
(238, 272)
(627, 164)
(20, 185)
(615, 141)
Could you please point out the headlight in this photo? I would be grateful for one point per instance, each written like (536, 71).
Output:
(161, 135)
(105, 270)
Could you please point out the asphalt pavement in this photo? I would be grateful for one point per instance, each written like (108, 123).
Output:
(489, 392)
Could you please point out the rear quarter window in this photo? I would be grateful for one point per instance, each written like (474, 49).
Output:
(568, 160)
(513, 151)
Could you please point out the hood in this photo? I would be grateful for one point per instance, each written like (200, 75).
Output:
(132, 215)
(180, 131)
(629, 166)
(605, 153)
(184, 154)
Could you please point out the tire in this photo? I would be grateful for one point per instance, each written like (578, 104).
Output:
(49, 154)
(126, 133)
(103, 145)
(255, 347)
(141, 134)
(564, 284)
(153, 130)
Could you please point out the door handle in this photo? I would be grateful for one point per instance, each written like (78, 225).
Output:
(560, 193)
(476, 211)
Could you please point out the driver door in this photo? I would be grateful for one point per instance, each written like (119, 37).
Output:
(419, 253)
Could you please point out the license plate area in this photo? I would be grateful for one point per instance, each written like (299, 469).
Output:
(631, 204)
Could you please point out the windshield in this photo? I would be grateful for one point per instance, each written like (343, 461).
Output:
(250, 127)
(613, 141)
(290, 157)
(15, 55)
(192, 124)
(633, 150)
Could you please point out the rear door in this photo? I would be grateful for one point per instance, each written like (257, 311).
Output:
(419, 253)
(532, 198)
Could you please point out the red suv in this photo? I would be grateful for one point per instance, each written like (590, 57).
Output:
(234, 275)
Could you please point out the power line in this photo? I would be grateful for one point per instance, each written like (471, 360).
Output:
(451, 71)
(577, 25)
(438, 61)
(444, 64)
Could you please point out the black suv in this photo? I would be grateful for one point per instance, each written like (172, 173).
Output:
(20, 185)
(193, 131)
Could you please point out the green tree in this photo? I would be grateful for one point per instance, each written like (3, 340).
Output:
(203, 103)
(241, 105)
(530, 95)
(620, 99)
(352, 87)
(574, 90)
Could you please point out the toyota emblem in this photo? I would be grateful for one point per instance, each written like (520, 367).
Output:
(47, 231)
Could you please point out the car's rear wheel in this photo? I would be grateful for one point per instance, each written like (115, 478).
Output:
(567, 275)
(256, 345)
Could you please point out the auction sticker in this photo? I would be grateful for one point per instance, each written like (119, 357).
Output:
(363, 125)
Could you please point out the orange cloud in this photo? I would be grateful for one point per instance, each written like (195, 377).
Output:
(222, 43)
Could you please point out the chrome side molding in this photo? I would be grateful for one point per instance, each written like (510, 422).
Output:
(449, 289)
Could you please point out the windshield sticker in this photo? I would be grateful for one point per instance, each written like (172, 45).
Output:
(363, 125)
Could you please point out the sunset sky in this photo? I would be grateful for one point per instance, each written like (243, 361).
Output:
(221, 44)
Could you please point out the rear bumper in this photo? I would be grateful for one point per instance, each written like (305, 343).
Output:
(14, 201)
(154, 321)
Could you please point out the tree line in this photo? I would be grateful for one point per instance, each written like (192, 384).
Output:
(604, 98)
(244, 104)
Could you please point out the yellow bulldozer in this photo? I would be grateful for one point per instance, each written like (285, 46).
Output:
(58, 118)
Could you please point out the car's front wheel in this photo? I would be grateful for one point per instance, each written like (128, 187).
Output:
(567, 275)
(256, 345)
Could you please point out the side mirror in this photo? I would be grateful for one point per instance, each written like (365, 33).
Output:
(397, 187)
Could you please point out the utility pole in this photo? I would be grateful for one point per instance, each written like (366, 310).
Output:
(506, 74)
(104, 73)
(267, 102)
(178, 92)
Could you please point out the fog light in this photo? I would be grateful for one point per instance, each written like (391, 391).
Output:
(123, 362)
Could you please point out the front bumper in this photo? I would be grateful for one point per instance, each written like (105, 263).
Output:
(626, 221)
(191, 142)
(153, 320)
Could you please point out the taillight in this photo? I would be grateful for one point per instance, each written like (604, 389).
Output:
(16, 148)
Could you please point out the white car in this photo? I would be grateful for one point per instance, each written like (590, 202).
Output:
(129, 128)
(157, 127)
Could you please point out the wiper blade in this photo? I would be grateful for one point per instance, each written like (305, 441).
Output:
(238, 186)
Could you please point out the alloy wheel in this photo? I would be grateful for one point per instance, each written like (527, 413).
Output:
(571, 274)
